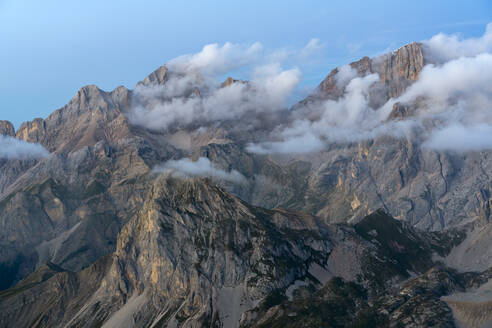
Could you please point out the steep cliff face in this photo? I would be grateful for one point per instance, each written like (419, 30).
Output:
(91, 116)
(157, 77)
(188, 250)
(69, 207)
(7, 129)
(195, 255)
(432, 190)
(396, 70)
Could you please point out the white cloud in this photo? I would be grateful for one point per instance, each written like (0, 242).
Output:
(344, 75)
(159, 107)
(297, 144)
(455, 99)
(185, 167)
(215, 59)
(346, 119)
(458, 137)
(314, 45)
(443, 47)
(352, 110)
(12, 148)
(464, 77)
(312, 48)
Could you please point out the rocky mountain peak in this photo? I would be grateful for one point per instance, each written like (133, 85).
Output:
(89, 98)
(90, 116)
(33, 131)
(229, 81)
(157, 77)
(400, 68)
(396, 70)
(7, 128)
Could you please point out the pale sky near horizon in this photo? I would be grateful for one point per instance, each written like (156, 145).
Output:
(49, 49)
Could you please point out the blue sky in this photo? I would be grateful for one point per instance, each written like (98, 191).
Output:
(49, 49)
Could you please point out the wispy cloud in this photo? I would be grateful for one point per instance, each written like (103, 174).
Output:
(185, 168)
(214, 59)
(12, 148)
(443, 47)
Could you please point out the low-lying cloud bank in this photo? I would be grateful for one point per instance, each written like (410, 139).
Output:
(12, 148)
(185, 168)
(452, 98)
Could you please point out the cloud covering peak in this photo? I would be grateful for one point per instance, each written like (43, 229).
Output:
(451, 95)
(214, 59)
(193, 94)
(452, 102)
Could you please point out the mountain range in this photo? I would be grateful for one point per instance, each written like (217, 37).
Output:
(216, 220)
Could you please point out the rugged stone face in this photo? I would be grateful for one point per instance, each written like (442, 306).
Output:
(7, 129)
(197, 256)
(431, 190)
(190, 248)
(159, 76)
(396, 70)
(91, 116)
(399, 69)
(68, 208)
(230, 81)
(400, 112)
(34, 131)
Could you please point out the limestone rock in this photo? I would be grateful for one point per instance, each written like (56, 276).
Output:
(7, 129)
(396, 71)
(157, 77)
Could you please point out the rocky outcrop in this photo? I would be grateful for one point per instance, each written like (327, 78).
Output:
(431, 190)
(195, 256)
(229, 81)
(400, 112)
(184, 254)
(345, 304)
(68, 208)
(400, 68)
(7, 129)
(396, 70)
(157, 77)
(34, 131)
(91, 116)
